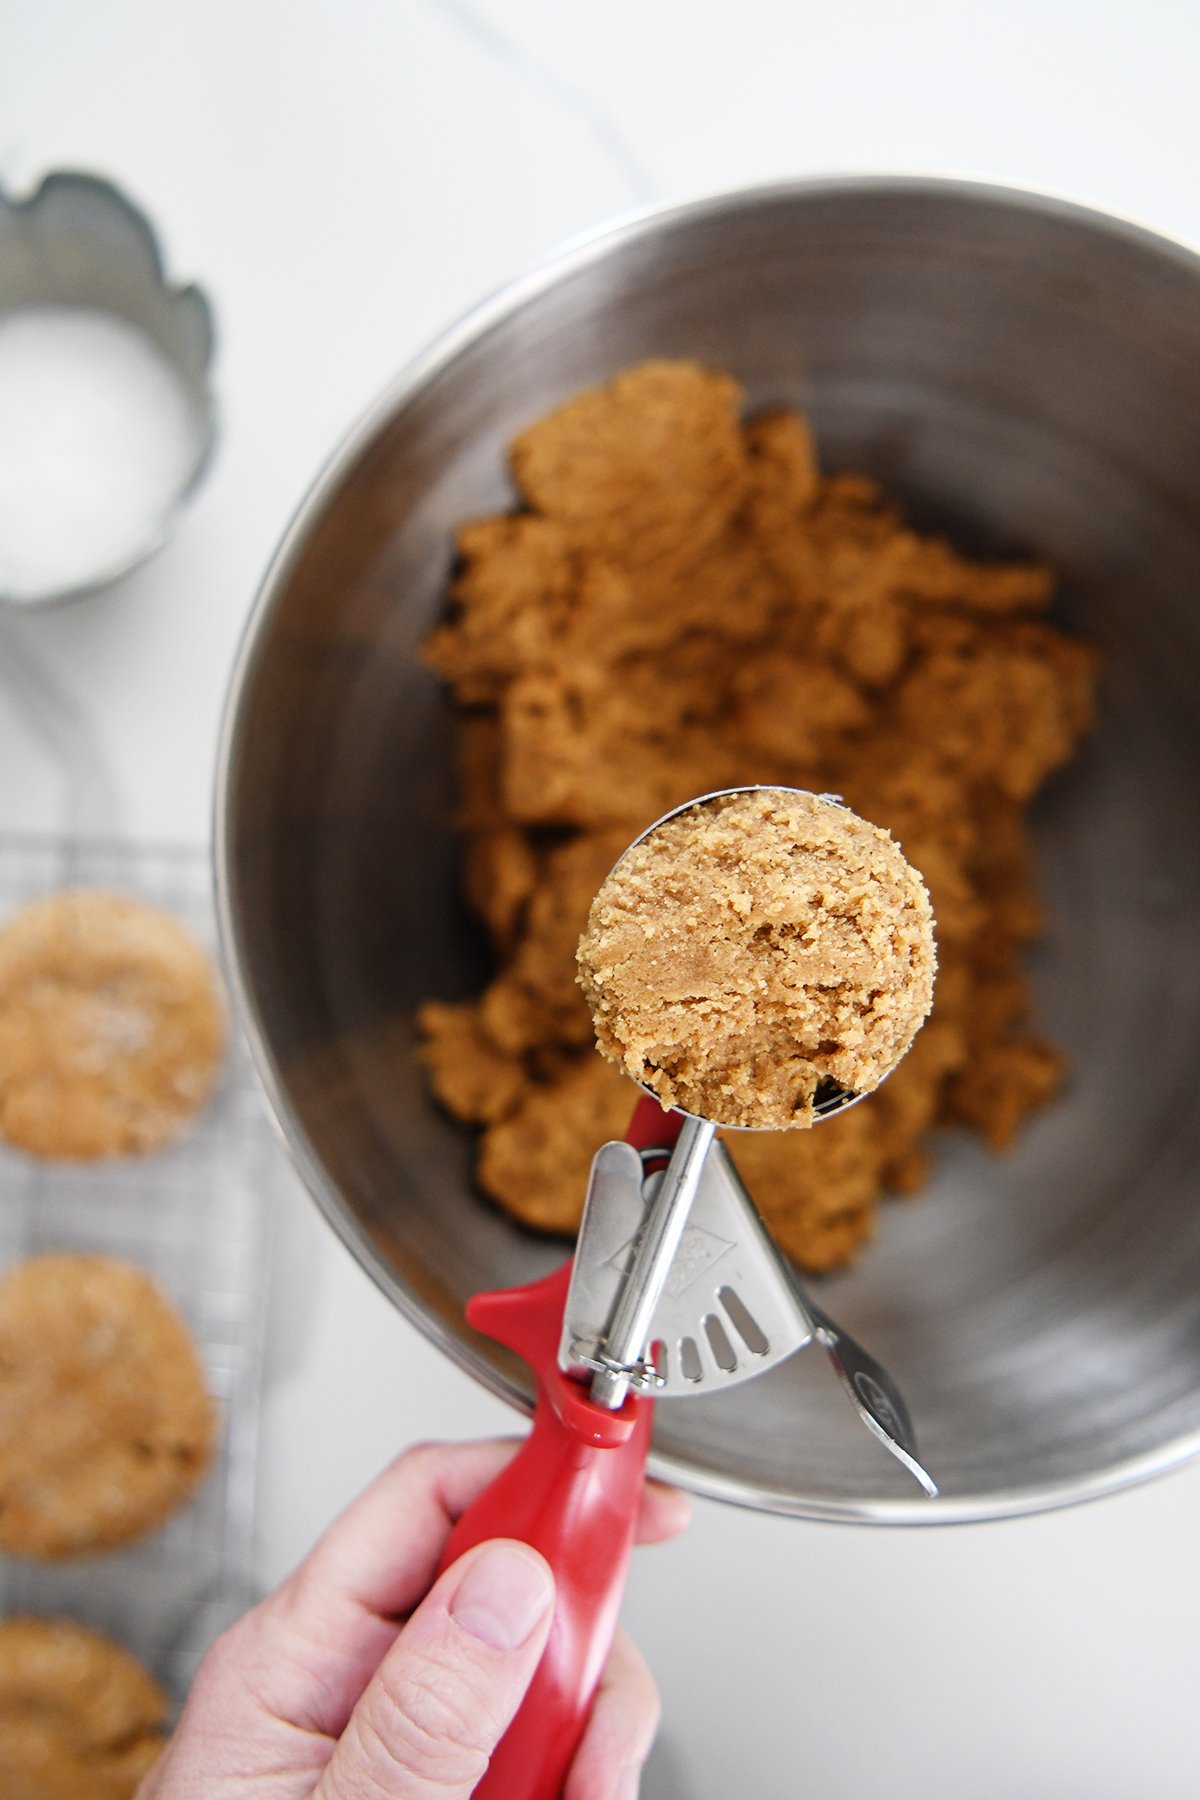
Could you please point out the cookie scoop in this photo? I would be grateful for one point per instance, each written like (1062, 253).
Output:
(759, 958)
(764, 954)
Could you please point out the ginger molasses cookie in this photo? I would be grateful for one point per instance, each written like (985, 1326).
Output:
(106, 1425)
(80, 1719)
(111, 1026)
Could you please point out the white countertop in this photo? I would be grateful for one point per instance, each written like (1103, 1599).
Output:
(344, 176)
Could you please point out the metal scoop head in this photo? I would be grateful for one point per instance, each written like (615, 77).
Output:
(638, 1248)
(731, 1306)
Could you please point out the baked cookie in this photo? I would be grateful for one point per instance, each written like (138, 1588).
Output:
(106, 1425)
(80, 1719)
(111, 1027)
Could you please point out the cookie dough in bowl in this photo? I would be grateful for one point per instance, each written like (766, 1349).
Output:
(751, 948)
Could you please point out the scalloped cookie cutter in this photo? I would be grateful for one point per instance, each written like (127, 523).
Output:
(78, 243)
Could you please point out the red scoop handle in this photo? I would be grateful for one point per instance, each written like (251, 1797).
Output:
(573, 1491)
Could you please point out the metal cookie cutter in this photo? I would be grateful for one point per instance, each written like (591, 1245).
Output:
(78, 243)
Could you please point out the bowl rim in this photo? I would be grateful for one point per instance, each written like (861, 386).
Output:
(574, 253)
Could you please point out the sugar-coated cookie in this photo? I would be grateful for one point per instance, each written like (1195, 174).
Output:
(111, 1026)
(80, 1719)
(106, 1425)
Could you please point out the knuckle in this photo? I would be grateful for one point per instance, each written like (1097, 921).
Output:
(224, 1655)
(308, 1592)
(652, 1703)
(420, 1456)
(266, 1666)
(645, 1713)
(221, 1685)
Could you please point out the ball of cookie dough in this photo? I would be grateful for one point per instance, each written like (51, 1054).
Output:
(753, 947)
(80, 1719)
(106, 1425)
(111, 1026)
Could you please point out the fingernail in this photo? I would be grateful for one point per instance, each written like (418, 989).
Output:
(504, 1596)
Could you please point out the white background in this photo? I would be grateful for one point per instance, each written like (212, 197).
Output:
(344, 176)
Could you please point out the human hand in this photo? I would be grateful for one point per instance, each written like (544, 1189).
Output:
(359, 1680)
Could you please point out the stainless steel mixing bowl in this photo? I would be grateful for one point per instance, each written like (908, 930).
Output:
(1026, 375)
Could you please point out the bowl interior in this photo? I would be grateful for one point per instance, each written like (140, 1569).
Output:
(1025, 376)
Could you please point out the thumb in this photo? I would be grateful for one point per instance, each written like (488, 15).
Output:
(443, 1696)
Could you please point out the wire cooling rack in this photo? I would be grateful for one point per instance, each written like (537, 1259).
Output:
(196, 1215)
